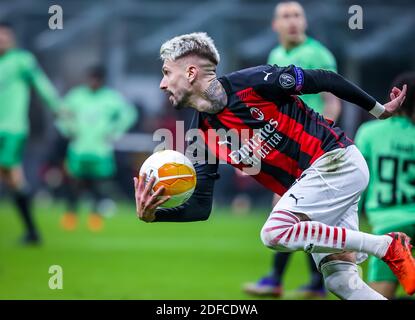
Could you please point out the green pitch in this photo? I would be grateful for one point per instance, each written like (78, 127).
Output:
(130, 259)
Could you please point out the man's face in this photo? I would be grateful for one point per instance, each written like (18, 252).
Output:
(175, 83)
(94, 82)
(6, 39)
(290, 22)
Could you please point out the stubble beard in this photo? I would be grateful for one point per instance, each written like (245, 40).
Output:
(182, 103)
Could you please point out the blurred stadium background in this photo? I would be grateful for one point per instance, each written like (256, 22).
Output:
(130, 259)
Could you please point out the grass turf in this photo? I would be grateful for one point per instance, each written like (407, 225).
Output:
(130, 259)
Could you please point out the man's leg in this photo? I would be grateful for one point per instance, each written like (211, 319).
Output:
(328, 193)
(95, 220)
(284, 231)
(339, 270)
(279, 265)
(315, 288)
(280, 258)
(385, 288)
(14, 179)
(69, 220)
(380, 277)
(271, 284)
(341, 277)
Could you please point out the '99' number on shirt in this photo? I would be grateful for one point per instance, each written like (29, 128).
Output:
(392, 171)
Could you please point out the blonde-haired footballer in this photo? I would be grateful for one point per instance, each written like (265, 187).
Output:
(298, 152)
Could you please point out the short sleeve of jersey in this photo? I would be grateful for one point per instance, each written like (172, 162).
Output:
(271, 80)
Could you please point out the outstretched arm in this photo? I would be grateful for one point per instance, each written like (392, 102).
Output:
(40, 82)
(316, 81)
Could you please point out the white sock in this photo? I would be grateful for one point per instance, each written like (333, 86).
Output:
(342, 279)
(285, 232)
(367, 243)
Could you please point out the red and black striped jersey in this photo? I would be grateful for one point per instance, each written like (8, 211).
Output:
(267, 128)
(276, 133)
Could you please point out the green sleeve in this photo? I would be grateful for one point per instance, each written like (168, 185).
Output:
(325, 60)
(40, 82)
(271, 58)
(362, 142)
(124, 116)
(66, 114)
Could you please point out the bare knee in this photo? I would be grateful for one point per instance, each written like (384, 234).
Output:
(342, 256)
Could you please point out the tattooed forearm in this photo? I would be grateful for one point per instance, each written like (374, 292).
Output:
(215, 93)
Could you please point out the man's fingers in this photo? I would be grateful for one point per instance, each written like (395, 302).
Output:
(160, 202)
(404, 89)
(141, 181)
(159, 192)
(155, 196)
(396, 91)
(402, 94)
(149, 186)
(136, 188)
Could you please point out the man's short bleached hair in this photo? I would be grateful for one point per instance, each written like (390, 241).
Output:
(197, 43)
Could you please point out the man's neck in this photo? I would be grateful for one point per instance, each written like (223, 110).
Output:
(3, 52)
(291, 45)
(212, 98)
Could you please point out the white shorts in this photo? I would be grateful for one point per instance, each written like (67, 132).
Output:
(329, 191)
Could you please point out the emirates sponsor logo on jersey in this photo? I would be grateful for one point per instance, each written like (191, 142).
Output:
(257, 114)
(258, 146)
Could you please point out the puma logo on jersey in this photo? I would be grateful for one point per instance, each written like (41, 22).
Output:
(295, 198)
(267, 74)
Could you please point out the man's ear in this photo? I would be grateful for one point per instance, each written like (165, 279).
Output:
(191, 73)
(274, 25)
